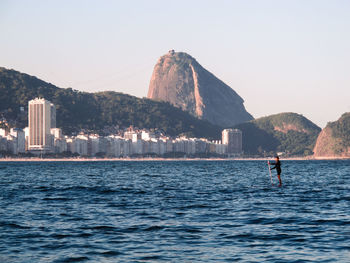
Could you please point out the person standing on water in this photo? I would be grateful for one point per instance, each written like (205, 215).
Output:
(277, 166)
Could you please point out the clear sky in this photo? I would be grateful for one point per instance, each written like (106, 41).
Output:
(277, 55)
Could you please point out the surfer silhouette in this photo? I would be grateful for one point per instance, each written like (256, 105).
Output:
(277, 166)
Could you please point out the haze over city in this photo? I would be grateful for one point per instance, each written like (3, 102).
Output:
(277, 55)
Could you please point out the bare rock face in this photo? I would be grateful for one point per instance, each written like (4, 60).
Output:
(334, 139)
(325, 143)
(179, 79)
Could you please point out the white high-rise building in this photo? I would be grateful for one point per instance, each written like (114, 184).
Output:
(41, 116)
(233, 139)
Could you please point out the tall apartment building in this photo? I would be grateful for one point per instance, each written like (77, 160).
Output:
(53, 115)
(233, 139)
(41, 118)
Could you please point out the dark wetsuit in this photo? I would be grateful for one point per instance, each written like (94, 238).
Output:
(277, 166)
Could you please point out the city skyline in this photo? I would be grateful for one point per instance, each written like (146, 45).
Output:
(41, 136)
(296, 51)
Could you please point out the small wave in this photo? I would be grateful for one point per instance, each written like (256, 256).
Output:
(13, 225)
(107, 191)
(241, 236)
(72, 259)
(84, 235)
(43, 188)
(33, 235)
(298, 240)
(186, 229)
(111, 253)
(131, 229)
(77, 188)
(154, 257)
(87, 189)
(103, 228)
(56, 199)
(53, 246)
(60, 236)
(226, 191)
(139, 192)
(76, 218)
(154, 228)
(231, 225)
(196, 206)
(331, 222)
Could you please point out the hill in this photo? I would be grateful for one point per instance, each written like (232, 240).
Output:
(179, 79)
(95, 112)
(334, 140)
(285, 132)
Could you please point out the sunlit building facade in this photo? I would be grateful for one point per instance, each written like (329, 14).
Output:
(41, 116)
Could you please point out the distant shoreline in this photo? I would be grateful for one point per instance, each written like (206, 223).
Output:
(35, 159)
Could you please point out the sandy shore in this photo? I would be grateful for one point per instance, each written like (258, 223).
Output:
(35, 159)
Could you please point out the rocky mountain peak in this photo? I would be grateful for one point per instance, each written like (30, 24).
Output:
(179, 79)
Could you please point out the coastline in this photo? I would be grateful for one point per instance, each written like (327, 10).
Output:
(35, 159)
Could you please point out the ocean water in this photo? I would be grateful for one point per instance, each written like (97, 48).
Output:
(174, 211)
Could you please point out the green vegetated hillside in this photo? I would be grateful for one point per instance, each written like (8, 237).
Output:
(334, 140)
(285, 132)
(78, 111)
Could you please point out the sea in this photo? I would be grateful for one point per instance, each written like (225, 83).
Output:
(174, 211)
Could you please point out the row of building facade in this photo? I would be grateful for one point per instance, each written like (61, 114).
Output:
(41, 136)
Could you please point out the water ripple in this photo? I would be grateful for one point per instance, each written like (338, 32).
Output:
(174, 212)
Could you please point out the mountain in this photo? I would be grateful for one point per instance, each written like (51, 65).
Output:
(95, 111)
(334, 140)
(179, 79)
(285, 132)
